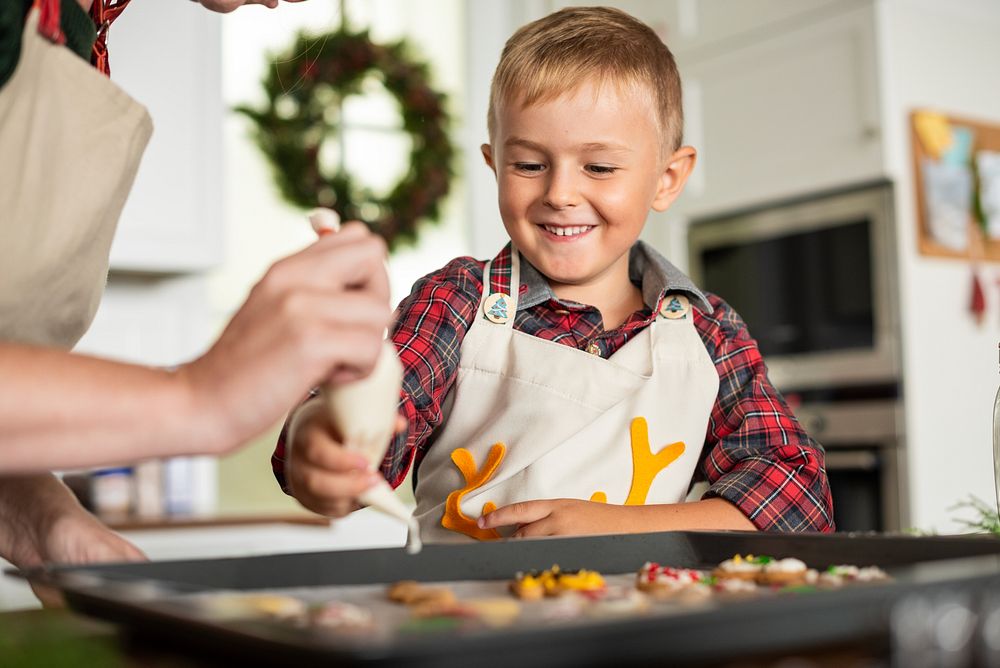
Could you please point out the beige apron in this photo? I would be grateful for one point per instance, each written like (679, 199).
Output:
(70, 144)
(535, 419)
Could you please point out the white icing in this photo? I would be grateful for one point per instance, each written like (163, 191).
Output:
(741, 566)
(790, 565)
(413, 543)
(735, 586)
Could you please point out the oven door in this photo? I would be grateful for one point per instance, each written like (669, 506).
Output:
(864, 457)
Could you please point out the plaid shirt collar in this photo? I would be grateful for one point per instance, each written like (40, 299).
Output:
(655, 275)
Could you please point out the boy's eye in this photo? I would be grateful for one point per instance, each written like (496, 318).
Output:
(602, 170)
(528, 167)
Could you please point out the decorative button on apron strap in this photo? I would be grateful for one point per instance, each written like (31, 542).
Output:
(675, 307)
(496, 307)
(594, 348)
(499, 307)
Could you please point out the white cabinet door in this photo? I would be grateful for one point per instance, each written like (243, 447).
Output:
(791, 114)
(716, 25)
(167, 55)
(150, 320)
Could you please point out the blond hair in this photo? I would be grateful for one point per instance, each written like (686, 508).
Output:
(555, 54)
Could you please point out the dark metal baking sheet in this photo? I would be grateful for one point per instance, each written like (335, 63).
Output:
(133, 595)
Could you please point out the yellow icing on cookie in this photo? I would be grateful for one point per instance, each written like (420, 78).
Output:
(645, 465)
(454, 519)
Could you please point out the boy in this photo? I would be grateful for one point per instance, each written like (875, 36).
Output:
(588, 382)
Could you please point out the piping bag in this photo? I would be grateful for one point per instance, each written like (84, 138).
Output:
(364, 412)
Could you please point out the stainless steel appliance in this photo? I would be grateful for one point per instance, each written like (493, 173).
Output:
(814, 279)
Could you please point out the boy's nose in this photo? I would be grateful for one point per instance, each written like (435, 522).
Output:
(562, 191)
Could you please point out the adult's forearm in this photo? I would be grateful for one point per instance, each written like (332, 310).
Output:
(62, 410)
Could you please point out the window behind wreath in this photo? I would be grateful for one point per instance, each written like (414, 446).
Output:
(370, 143)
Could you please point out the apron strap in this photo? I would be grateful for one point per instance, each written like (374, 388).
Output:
(103, 13)
(50, 21)
(497, 280)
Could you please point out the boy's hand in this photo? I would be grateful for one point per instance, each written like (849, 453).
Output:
(323, 475)
(558, 517)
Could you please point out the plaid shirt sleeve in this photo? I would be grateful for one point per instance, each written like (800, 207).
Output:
(430, 325)
(758, 456)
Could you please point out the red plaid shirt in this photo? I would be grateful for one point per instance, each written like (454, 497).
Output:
(755, 455)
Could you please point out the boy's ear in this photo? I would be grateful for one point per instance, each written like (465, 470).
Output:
(675, 174)
(488, 156)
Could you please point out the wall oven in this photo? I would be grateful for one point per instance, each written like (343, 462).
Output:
(814, 279)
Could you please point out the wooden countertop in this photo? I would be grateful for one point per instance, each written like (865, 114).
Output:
(196, 521)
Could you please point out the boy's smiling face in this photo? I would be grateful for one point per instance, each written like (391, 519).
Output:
(577, 176)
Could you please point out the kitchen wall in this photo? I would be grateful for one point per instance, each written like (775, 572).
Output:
(942, 55)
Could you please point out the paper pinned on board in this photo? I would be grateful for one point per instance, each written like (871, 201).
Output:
(988, 166)
(933, 131)
(948, 196)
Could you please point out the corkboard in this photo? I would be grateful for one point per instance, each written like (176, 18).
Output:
(987, 136)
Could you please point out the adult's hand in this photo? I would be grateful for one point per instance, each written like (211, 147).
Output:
(318, 315)
(41, 522)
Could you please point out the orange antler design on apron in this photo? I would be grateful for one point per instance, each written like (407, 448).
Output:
(454, 519)
(645, 465)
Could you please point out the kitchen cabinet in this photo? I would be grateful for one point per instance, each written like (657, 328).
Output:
(794, 111)
(698, 28)
(167, 55)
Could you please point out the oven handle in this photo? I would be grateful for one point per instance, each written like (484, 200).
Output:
(854, 460)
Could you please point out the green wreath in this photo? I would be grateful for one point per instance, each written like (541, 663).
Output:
(319, 71)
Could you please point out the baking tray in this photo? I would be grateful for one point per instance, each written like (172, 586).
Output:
(137, 596)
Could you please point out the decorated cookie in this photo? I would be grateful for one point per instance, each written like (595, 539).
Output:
(342, 617)
(234, 605)
(439, 606)
(664, 581)
(739, 567)
(619, 602)
(494, 612)
(416, 595)
(403, 591)
(527, 587)
(784, 572)
(734, 586)
(838, 576)
(555, 582)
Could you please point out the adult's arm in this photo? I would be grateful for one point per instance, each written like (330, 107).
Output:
(316, 315)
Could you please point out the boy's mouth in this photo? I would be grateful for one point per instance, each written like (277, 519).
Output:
(566, 231)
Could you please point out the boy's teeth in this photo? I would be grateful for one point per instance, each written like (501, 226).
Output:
(566, 231)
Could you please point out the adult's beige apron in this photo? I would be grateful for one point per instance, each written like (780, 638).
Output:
(70, 142)
(534, 419)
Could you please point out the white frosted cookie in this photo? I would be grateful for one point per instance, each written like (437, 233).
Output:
(342, 617)
(666, 582)
(783, 572)
(739, 567)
